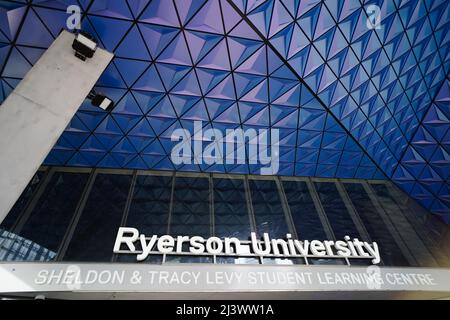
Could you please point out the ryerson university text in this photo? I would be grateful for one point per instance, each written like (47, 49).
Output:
(130, 241)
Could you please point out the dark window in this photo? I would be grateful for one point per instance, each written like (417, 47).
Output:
(240, 260)
(269, 214)
(94, 236)
(53, 212)
(323, 261)
(149, 210)
(375, 226)
(304, 213)
(231, 217)
(334, 207)
(402, 225)
(188, 259)
(283, 261)
(191, 214)
(22, 202)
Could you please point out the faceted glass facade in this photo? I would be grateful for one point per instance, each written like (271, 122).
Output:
(358, 89)
(74, 214)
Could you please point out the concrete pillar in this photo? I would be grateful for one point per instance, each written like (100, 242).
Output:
(36, 113)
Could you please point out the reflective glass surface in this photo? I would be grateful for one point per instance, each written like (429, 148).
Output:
(187, 259)
(231, 260)
(403, 226)
(304, 214)
(268, 210)
(231, 218)
(351, 99)
(334, 207)
(375, 226)
(94, 236)
(51, 216)
(22, 202)
(16, 248)
(150, 205)
(149, 210)
(83, 217)
(191, 214)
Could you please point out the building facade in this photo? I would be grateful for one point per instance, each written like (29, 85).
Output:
(72, 215)
(338, 113)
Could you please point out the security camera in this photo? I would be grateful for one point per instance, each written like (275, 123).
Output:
(101, 101)
(84, 45)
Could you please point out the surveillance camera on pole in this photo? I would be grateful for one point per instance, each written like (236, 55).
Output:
(84, 45)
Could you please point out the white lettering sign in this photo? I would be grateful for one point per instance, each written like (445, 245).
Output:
(284, 248)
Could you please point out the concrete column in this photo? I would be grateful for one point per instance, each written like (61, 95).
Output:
(36, 113)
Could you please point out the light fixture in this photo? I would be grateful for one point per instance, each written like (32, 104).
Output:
(100, 100)
(84, 45)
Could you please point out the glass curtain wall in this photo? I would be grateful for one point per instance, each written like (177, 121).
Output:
(71, 214)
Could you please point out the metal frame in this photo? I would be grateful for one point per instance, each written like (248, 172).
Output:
(320, 210)
(212, 221)
(352, 211)
(32, 203)
(253, 216)
(126, 210)
(391, 227)
(287, 209)
(76, 216)
(169, 215)
(251, 212)
(410, 236)
(46, 171)
(427, 238)
(403, 204)
(247, 196)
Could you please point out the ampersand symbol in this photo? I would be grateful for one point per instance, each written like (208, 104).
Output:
(136, 278)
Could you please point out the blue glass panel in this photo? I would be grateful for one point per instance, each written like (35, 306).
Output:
(149, 210)
(94, 236)
(191, 214)
(304, 214)
(231, 217)
(334, 207)
(269, 213)
(375, 226)
(52, 214)
(22, 202)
